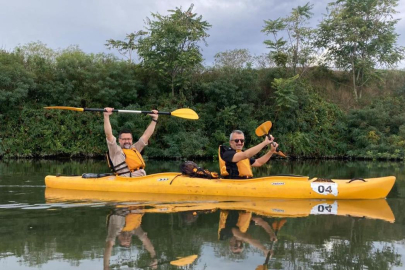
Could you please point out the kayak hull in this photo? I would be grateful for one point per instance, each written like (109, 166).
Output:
(296, 187)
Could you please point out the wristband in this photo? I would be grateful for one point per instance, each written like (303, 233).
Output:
(154, 120)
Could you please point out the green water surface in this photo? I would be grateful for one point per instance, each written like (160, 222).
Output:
(36, 234)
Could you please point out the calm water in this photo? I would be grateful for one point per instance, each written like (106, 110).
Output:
(38, 231)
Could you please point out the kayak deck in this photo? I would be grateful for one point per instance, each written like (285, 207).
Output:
(297, 187)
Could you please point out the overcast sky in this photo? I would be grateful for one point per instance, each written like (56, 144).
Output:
(236, 24)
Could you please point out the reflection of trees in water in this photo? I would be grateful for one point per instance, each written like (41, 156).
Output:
(344, 254)
(357, 253)
(314, 242)
(346, 249)
(172, 236)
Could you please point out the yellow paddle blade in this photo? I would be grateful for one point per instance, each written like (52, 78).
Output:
(185, 113)
(65, 108)
(281, 154)
(263, 129)
(184, 261)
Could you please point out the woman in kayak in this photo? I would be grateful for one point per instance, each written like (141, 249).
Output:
(237, 164)
(125, 159)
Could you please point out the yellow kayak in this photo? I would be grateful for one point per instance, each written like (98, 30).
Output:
(173, 203)
(296, 187)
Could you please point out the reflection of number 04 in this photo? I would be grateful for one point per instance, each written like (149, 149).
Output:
(322, 208)
(322, 189)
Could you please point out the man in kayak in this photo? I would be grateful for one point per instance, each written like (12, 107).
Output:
(125, 159)
(237, 164)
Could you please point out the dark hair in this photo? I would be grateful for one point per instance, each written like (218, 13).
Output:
(124, 131)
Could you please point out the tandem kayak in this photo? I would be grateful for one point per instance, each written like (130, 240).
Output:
(296, 187)
(174, 203)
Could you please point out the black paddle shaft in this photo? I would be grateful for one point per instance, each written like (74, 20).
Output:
(116, 110)
(96, 110)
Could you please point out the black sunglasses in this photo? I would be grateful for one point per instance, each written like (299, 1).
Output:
(239, 140)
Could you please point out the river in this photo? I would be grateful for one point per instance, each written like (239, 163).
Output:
(39, 232)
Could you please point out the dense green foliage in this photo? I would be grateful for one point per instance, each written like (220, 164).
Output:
(296, 96)
(378, 131)
(226, 98)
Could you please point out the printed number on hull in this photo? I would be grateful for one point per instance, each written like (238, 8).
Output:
(325, 209)
(325, 188)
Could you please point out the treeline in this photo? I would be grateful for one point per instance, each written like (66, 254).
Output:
(323, 88)
(305, 123)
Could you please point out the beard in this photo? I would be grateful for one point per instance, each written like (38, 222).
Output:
(126, 146)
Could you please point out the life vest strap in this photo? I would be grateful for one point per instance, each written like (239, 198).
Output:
(121, 173)
(116, 168)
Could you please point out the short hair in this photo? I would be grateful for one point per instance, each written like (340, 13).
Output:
(124, 131)
(237, 132)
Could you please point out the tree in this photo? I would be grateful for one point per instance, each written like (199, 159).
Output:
(15, 82)
(171, 47)
(238, 58)
(359, 35)
(297, 49)
(126, 48)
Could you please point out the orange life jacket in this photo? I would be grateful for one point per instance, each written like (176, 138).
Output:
(243, 222)
(132, 221)
(133, 162)
(244, 167)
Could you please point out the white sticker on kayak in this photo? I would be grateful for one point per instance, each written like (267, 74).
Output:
(278, 183)
(325, 188)
(325, 209)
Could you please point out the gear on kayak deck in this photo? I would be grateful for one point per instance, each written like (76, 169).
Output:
(324, 180)
(191, 169)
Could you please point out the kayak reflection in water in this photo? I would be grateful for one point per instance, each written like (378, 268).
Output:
(122, 224)
(233, 225)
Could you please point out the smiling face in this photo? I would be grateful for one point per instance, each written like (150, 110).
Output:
(237, 141)
(125, 140)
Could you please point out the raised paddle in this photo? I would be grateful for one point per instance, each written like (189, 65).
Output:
(264, 130)
(182, 113)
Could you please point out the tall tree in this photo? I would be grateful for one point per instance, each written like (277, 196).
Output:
(238, 58)
(359, 36)
(127, 47)
(296, 49)
(171, 45)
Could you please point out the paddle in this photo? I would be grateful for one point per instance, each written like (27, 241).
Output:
(182, 113)
(181, 261)
(276, 227)
(264, 130)
(265, 266)
(184, 261)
